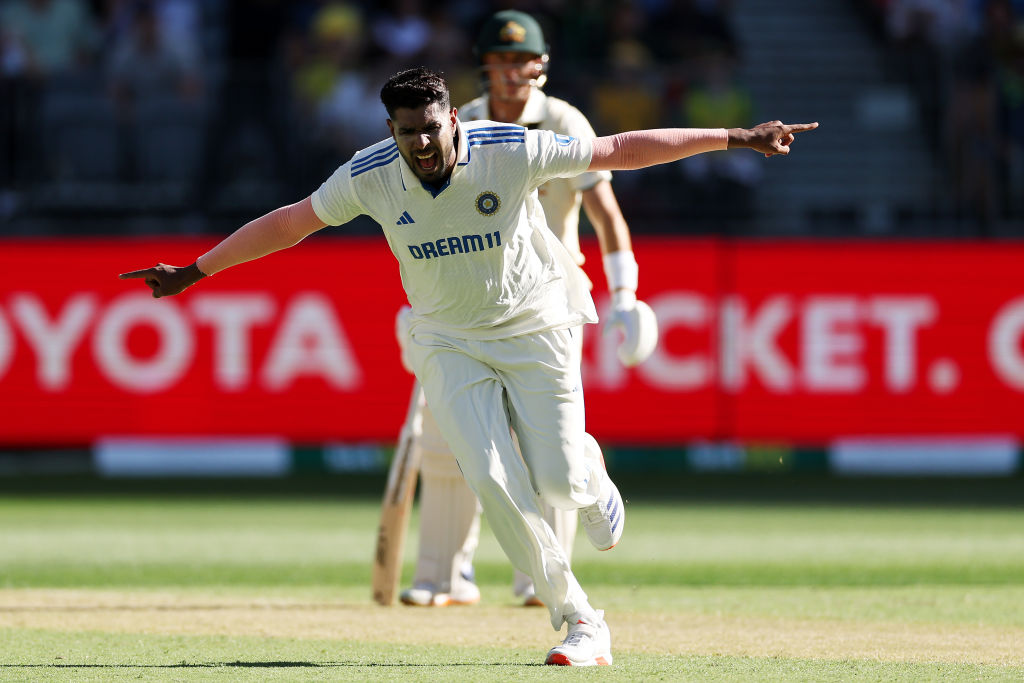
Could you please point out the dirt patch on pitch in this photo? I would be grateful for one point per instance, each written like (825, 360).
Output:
(634, 632)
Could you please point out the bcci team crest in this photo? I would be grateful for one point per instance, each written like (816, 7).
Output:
(512, 33)
(488, 203)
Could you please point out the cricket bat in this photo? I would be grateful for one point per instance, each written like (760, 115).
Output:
(397, 504)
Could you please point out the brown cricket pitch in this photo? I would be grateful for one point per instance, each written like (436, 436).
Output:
(678, 632)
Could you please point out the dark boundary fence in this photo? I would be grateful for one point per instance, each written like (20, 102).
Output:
(762, 488)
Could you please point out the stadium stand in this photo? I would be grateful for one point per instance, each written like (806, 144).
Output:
(248, 104)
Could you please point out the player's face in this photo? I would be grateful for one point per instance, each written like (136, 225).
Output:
(511, 74)
(426, 140)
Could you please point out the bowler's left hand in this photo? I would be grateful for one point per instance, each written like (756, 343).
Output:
(773, 137)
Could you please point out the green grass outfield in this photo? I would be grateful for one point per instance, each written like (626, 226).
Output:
(165, 586)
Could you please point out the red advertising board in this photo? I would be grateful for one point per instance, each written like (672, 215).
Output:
(794, 341)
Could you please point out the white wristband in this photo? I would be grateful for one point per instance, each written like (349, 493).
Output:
(621, 270)
(623, 299)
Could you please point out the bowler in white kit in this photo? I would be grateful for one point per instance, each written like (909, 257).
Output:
(513, 56)
(494, 298)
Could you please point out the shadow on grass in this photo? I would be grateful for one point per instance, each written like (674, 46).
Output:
(289, 607)
(256, 665)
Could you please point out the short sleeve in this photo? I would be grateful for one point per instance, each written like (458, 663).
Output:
(574, 123)
(553, 155)
(335, 202)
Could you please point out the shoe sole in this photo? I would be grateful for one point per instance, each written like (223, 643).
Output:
(440, 601)
(622, 521)
(623, 513)
(533, 601)
(559, 659)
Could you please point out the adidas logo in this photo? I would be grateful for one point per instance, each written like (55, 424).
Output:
(405, 219)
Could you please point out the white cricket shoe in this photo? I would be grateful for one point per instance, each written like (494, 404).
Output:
(525, 590)
(426, 595)
(604, 519)
(529, 597)
(588, 643)
(531, 600)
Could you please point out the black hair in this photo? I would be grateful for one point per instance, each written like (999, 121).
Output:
(415, 88)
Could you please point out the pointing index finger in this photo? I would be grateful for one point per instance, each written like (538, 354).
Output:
(135, 274)
(800, 127)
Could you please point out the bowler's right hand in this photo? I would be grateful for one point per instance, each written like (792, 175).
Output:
(166, 280)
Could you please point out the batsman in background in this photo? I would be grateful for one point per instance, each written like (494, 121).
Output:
(514, 61)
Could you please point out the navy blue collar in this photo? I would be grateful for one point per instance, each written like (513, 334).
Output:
(429, 187)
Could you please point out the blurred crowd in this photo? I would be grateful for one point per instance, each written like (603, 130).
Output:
(190, 115)
(965, 61)
(119, 110)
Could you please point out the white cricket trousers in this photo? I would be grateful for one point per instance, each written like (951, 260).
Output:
(477, 390)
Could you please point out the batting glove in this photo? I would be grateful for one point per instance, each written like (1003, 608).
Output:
(638, 324)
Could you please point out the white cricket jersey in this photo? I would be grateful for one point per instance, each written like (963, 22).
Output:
(560, 197)
(476, 257)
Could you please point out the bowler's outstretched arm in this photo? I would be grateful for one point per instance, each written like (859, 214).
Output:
(279, 229)
(642, 148)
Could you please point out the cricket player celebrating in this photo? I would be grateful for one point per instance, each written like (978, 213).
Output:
(496, 300)
(514, 58)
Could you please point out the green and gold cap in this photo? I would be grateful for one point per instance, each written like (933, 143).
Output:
(511, 31)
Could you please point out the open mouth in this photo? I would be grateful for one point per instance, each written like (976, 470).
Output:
(427, 161)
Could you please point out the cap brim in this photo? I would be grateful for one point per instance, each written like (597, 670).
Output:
(512, 48)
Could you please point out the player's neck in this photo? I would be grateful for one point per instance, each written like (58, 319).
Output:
(506, 111)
